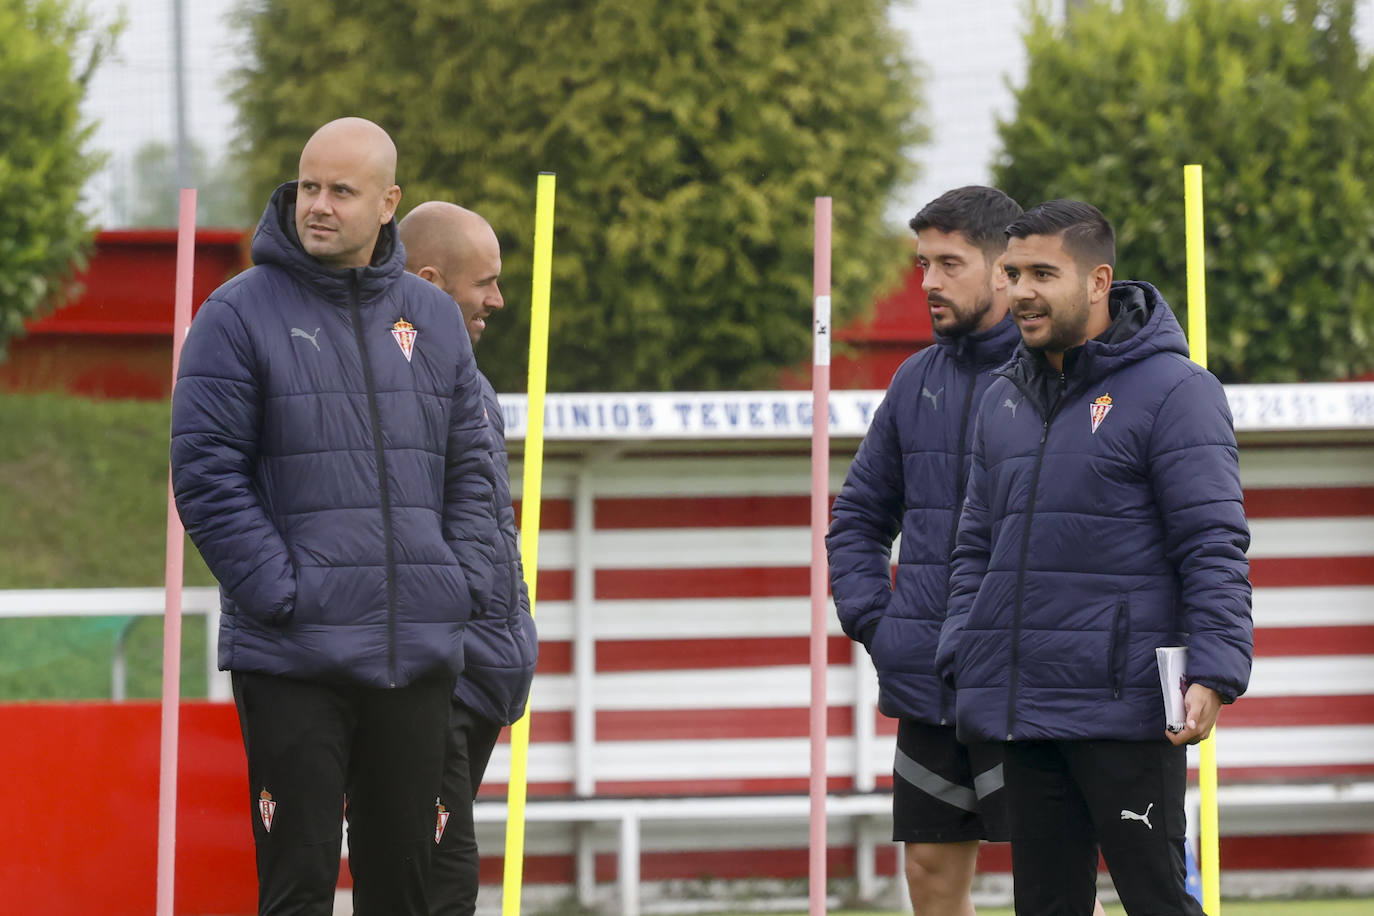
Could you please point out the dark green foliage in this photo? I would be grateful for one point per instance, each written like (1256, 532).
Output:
(1274, 99)
(689, 141)
(48, 49)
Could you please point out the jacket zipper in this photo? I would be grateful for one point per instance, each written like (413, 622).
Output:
(959, 489)
(959, 465)
(1014, 682)
(374, 412)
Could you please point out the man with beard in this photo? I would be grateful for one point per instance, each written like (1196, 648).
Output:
(456, 250)
(1103, 520)
(908, 477)
(331, 461)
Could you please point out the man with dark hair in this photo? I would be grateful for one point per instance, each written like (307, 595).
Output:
(908, 477)
(456, 250)
(331, 462)
(1103, 520)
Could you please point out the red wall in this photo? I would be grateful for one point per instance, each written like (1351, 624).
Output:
(870, 351)
(81, 824)
(114, 340)
(81, 809)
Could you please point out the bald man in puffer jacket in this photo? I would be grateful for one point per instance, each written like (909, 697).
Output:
(331, 461)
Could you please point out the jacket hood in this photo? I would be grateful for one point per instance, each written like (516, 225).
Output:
(1142, 325)
(276, 242)
(982, 348)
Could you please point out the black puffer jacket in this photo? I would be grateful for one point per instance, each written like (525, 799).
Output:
(502, 645)
(909, 476)
(1104, 519)
(331, 461)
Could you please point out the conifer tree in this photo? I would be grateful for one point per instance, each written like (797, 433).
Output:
(1276, 101)
(689, 141)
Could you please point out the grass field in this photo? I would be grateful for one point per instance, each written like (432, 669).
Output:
(83, 496)
(1348, 907)
(1260, 908)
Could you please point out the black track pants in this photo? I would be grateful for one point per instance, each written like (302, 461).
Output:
(1068, 799)
(312, 746)
(454, 874)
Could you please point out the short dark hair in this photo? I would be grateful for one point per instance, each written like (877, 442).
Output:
(980, 213)
(1087, 234)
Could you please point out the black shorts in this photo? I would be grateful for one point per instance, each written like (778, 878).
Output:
(944, 791)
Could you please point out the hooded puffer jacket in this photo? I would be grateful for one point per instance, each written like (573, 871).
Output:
(1103, 519)
(331, 461)
(909, 475)
(502, 645)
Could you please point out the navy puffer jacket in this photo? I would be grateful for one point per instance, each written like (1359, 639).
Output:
(1103, 519)
(501, 643)
(338, 486)
(909, 476)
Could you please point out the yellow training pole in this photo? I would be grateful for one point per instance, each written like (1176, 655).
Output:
(529, 525)
(1209, 856)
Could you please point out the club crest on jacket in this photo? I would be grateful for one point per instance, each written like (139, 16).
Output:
(405, 335)
(1099, 410)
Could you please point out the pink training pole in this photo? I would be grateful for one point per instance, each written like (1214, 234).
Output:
(820, 568)
(171, 623)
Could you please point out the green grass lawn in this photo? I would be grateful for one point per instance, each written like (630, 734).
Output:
(1351, 907)
(1259, 908)
(83, 504)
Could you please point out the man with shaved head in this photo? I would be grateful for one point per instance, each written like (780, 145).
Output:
(456, 250)
(332, 462)
(346, 192)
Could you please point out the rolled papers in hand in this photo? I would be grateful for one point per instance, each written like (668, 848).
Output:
(1173, 682)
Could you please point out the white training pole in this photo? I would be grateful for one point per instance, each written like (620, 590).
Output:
(171, 622)
(820, 514)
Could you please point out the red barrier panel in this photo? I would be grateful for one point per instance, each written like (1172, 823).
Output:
(81, 810)
(114, 340)
(127, 287)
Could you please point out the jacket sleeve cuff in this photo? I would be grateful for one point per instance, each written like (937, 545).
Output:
(1227, 692)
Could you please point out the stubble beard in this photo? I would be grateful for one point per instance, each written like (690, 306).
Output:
(966, 321)
(1074, 329)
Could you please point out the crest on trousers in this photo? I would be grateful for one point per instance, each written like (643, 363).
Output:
(440, 821)
(405, 335)
(267, 809)
(1099, 410)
